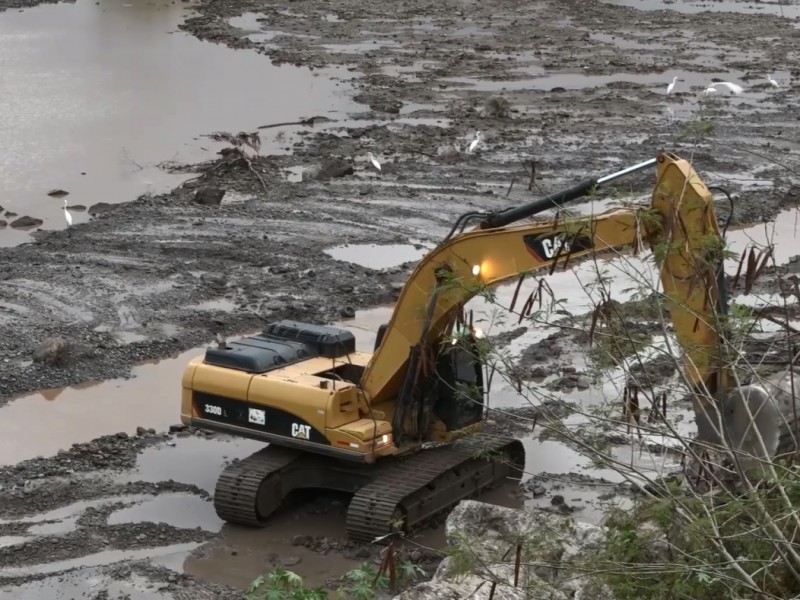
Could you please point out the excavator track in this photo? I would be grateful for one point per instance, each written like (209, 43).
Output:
(409, 492)
(410, 489)
(236, 496)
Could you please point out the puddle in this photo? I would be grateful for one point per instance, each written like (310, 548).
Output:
(100, 558)
(376, 256)
(219, 304)
(32, 425)
(783, 232)
(240, 554)
(790, 10)
(56, 528)
(248, 21)
(12, 540)
(294, 174)
(184, 511)
(73, 75)
(193, 460)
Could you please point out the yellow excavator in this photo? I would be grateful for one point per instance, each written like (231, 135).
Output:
(363, 423)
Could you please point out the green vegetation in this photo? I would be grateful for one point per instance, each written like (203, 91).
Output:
(363, 583)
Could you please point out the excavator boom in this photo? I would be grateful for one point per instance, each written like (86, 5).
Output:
(680, 227)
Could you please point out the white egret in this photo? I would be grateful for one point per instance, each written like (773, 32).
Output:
(374, 161)
(772, 81)
(671, 86)
(67, 214)
(736, 89)
(474, 143)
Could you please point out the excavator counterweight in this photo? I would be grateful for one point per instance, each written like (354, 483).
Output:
(363, 423)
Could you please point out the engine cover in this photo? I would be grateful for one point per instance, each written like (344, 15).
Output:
(280, 344)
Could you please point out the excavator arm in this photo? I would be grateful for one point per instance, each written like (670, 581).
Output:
(679, 227)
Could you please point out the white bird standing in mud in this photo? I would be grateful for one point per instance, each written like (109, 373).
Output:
(736, 89)
(67, 214)
(374, 161)
(474, 143)
(671, 86)
(772, 81)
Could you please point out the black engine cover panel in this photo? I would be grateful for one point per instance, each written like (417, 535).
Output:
(281, 344)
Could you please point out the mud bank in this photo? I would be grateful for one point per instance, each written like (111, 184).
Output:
(578, 88)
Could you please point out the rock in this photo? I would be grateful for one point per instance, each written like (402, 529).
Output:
(492, 533)
(58, 193)
(291, 561)
(3, 223)
(386, 105)
(26, 221)
(347, 312)
(537, 490)
(216, 280)
(472, 587)
(496, 108)
(302, 540)
(140, 431)
(53, 352)
(583, 382)
(209, 196)
(539, 372)
(100, 208)
(328, 169)
(177, 427)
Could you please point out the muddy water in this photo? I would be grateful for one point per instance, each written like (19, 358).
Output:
(97, 93)
(56, 419)
(377, 256)
(783, 233)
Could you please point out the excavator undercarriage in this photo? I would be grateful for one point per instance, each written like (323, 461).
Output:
(397, 493)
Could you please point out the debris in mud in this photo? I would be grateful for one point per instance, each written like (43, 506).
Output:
(654, 372)
(569, 380)
(328, 169)
(514, 421)
(506, 337)
(54, 352)
(380, 102)
(546, 350)
(209, 196)
(561, 505)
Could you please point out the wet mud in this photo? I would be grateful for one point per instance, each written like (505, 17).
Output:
(307, 228)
